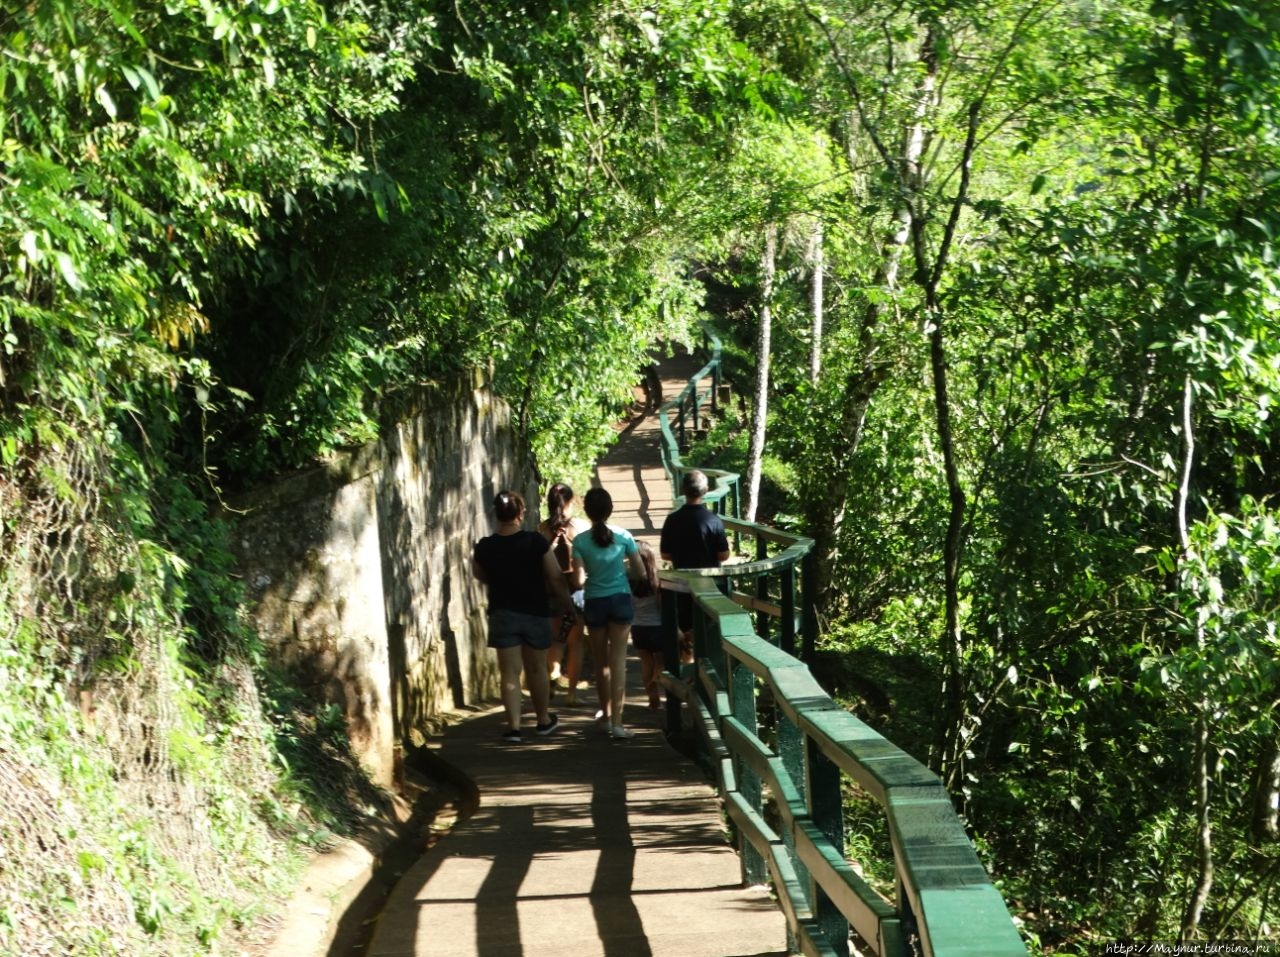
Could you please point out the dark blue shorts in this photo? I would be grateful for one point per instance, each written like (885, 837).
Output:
(647, 637)
(511, 629)
(615, 609)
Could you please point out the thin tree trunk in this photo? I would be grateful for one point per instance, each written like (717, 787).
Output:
(827, 506)
(1204, 830)
(1200, 771)
(928, 274)
(755, 458)
(947, 743)
(816, 267)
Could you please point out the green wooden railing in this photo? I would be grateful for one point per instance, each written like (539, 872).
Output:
(780, 747)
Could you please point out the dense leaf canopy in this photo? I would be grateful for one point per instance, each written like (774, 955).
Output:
(1033, 437)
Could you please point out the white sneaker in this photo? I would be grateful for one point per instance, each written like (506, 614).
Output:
(621, 734)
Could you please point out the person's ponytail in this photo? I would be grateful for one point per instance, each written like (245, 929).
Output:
(599, 506)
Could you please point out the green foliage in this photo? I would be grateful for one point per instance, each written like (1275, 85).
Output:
(1227, 597)
(230, 231)
(78, 840)
(1114, 247)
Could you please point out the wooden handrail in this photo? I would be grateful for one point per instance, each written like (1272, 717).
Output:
(945, 904)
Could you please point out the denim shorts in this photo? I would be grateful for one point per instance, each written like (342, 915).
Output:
(647, 637)
(611, 609)
(511, 629)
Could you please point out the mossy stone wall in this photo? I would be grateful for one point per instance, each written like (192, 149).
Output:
(359, 570)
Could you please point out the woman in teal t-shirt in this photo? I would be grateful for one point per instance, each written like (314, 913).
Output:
(604, 556)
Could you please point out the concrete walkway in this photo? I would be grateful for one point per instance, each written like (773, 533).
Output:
(582, 846)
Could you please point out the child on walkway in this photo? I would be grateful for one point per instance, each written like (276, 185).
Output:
(646, 628)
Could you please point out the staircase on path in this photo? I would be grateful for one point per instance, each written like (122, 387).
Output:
(583, 846)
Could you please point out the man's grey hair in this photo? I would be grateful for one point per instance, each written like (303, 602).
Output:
(694, 484)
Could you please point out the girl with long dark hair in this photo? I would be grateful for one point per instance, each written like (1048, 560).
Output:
(564, 657)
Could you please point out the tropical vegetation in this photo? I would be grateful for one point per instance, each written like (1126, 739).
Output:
(1000, 279)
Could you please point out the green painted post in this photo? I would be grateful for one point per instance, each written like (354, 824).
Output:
(791, 748)
(822, 793)
(742, 700)
(762, 588)
(700, 625)
(906, 916)
(787, 601)
(671, 655)
(808, 608)
(714, 646)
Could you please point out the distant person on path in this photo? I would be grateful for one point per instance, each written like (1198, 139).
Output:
(604, 556)
(520, 571)
(560, 528)
(646, 629)
(693, 536)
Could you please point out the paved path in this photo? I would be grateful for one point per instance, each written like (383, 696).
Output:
(582, 846)
(632, 469)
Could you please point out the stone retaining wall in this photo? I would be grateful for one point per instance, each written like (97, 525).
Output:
(359, 570)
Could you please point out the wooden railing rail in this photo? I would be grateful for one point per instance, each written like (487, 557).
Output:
(682, 419)
(780, 749)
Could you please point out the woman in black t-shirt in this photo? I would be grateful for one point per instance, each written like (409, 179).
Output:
(518, 567)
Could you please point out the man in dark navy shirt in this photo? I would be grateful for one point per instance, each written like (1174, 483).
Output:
(692, 537)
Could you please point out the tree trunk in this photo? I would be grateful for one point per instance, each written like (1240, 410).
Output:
(755, 458)
(816, 266)
(1204, 831)
(827, 504)
(947, 742)
(1266, 795)
(929, 268)
(1200, 771)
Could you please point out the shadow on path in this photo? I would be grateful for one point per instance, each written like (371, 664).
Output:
(582, 846)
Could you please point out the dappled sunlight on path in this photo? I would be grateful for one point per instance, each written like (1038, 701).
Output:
(631, 471)
(583, 846)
